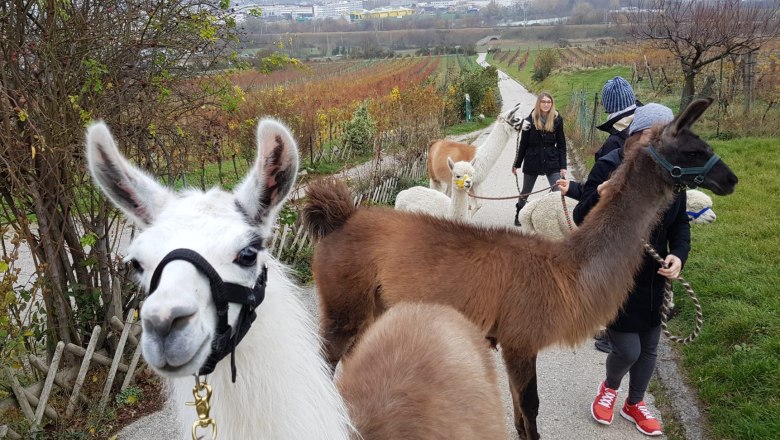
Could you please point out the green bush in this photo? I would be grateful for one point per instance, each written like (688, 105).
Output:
(546, 61)
(359, 132)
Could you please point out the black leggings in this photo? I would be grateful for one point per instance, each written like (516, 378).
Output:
(635, 353)
(529, 180)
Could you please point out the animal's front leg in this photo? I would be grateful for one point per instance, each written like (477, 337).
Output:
(521, 372)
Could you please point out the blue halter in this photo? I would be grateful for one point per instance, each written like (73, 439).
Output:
(677, 173)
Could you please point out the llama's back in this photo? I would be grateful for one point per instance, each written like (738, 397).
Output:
(423, 200)
(423, 371)
(545, 216)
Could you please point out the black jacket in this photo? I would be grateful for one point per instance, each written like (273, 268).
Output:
(642, 309)
(542, 152)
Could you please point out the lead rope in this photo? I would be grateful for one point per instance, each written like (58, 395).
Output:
(668, 293)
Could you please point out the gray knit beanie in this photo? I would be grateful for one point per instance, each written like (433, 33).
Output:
(617, 94)
(649, 115)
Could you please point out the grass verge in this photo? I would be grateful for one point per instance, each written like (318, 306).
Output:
(735, 363)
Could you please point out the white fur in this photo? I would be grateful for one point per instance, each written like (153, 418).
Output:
(435, 203)
(697, 201)
(505, 129)
(545, 215)
(283, 389)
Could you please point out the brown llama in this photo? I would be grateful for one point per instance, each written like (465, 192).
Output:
(398, 383)
(439, 174)
(211, 247)
(525, 291)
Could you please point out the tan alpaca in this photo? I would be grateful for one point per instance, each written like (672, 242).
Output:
(435, 348)
(525, 291)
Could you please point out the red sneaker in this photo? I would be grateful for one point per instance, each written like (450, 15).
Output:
(643, 420)
(602, 408)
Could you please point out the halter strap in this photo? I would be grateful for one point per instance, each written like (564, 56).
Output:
(677, 172)
(225, 340)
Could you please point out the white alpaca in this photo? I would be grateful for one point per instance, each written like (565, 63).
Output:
(545, 215)
(435, 203)
(484, 156)
(283, 388)
(699, 207)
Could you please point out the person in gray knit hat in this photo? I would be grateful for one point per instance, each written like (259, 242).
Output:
(634, 333)
(649, 115)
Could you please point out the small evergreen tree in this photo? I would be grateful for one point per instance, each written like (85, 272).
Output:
(546, 61)
(359, 132)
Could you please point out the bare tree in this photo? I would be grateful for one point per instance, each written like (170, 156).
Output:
(62, 65)
(701, 32)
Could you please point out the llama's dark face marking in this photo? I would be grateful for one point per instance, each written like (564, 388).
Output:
(180, 318)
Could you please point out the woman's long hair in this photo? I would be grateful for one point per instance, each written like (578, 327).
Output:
(549, 124)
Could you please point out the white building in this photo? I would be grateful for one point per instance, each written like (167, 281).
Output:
(337, 9)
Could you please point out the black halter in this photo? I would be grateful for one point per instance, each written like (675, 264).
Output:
(677, 173)
(225, 340)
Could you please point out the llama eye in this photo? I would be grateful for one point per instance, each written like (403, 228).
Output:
(247, 257)
(136, 266)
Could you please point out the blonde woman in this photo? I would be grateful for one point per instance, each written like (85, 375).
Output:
(542, 148)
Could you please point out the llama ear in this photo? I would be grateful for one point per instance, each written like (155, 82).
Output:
(450, 163)
(686, 119)
(139, 196)
(273, 175)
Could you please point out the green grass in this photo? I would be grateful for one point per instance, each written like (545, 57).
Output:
(468, 127)
(733, 266)
(562, 84)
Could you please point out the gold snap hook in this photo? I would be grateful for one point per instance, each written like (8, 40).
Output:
(202, 407)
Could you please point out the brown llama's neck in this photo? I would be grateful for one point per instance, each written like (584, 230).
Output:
(607, 248)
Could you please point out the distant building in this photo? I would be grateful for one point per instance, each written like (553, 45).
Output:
(337, 9)
(382, 13)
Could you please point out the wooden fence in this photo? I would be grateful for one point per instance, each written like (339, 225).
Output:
(33, 400)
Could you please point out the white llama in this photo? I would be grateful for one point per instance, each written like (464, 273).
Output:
(432, 202)
(484, 156)
(192, 241)
(545, 216)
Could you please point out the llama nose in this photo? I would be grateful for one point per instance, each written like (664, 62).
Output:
(163, 324)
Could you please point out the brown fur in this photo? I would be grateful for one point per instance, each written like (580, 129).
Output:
(525, 291)
(448, 390)
(438, 152)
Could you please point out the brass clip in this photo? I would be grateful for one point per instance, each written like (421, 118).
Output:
(202, 407)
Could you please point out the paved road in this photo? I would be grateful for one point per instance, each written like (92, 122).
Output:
(568, 377)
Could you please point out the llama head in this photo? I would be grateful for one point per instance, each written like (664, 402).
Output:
(699, 207)
(462, 174)
(687, 159)
(228, 230)
(513, 118)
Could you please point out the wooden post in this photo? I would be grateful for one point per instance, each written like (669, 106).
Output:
(115, 364)
(21, 397)
(55, 363)
(82, 371)
(131, 370)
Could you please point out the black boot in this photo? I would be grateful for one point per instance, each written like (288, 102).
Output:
(517, 216)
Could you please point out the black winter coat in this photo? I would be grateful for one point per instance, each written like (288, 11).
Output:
(542, 152)
(642, 309)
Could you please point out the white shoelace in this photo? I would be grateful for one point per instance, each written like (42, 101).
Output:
(607, 399)
(645, 412)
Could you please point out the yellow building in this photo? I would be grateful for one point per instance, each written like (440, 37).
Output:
(381, 13)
